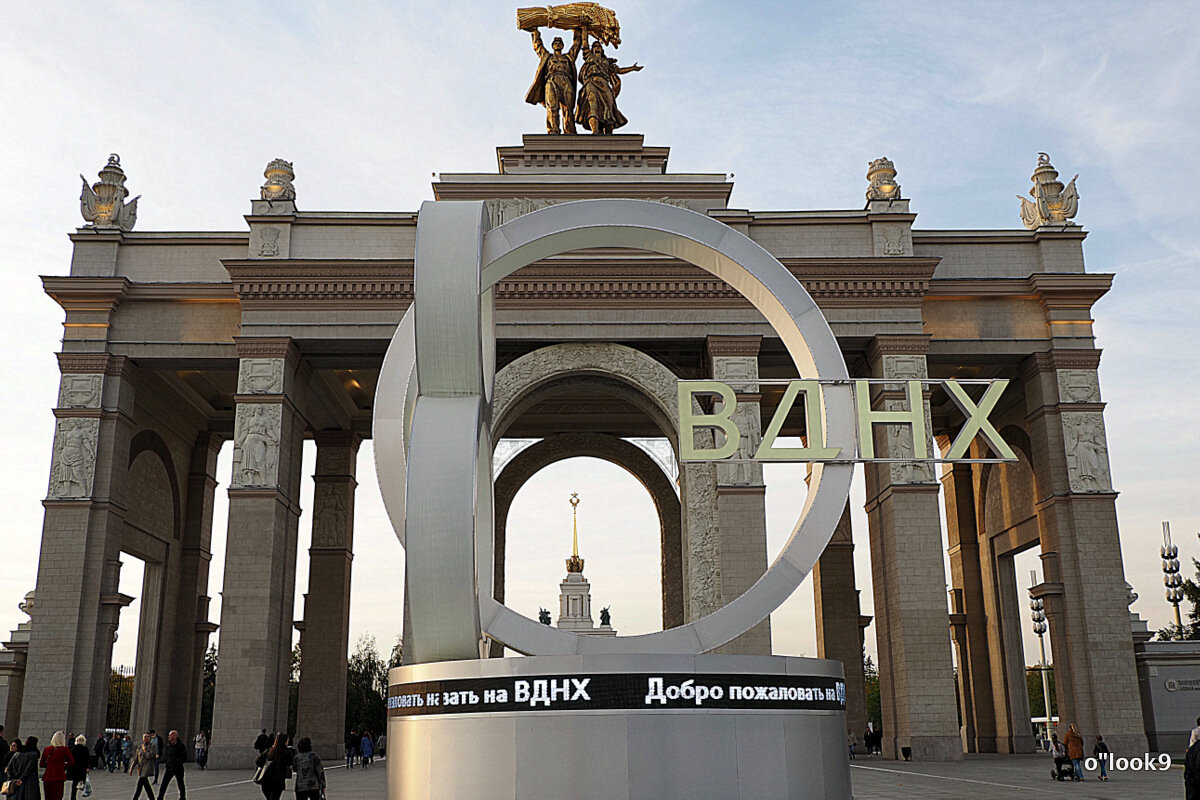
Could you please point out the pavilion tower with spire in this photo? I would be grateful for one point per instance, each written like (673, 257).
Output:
(575, 593)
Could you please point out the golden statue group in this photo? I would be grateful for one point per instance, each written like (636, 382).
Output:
(599, 78)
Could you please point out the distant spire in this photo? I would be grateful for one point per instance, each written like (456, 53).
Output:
(574, 563)
(575, 524)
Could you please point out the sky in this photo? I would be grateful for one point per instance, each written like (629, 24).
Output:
(370, 99)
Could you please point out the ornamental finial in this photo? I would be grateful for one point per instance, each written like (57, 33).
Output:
(103, 203)
(1053, 203)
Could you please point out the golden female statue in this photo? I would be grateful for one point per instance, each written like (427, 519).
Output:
(599, 85)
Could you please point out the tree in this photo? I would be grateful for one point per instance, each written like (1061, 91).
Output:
(294, 690)
(1033, 685)
(871, 679)
(209, 688)
(1190, 630)
(366, 687)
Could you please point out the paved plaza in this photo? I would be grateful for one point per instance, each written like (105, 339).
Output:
(977, 777)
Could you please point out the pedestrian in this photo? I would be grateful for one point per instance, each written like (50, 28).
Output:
(143, 765)
(366, 749)
(277, 762)
(200, 747)
(1195, 737)
(262, 742)
(174, 757)
(310, 774)
(1074, 743)
(3, 750)
(381, 745)
(351, 747)
(78, 773)
(1058, 752)
(851, 742)
(1191, 772)
(55, 760)
(127, 749)
(158, 751)
(100, 757)
(1100, 751)
(22, 770)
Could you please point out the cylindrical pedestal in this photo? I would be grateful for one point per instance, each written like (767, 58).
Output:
(619, 726)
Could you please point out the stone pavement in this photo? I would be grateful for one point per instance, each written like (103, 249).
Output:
(343, 784)
(990, 777)
(976, 777)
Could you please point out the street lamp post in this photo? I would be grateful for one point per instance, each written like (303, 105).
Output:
(1039, 627)
(1171, 578)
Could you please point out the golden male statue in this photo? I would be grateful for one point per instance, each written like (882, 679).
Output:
(554, 84)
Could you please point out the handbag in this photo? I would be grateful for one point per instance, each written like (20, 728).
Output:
(260, 774)
(87, 786)
(7, 788)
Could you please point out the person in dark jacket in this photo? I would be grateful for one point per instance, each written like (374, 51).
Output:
(173, 758)
(1191, 772)
(278, 761)
(262, 742)
(310, 774)
(78, 772)
(3, 750)
(101, 760)
(22, 770)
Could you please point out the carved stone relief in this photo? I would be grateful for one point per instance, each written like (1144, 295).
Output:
(897, 439)
(329, 515)
(73, 467)
(503, 210)
(737, 371)
(1078, 386)
(1086, 451)
(893, 240)
(269, 244)
(256, 445)
(80, 391)
(260, 376)
(908, 368)
(702, 541)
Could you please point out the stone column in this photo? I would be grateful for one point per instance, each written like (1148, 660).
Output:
(741, 493)
(194, 628)
(970, 615)
(916, 677)
(1083, 577)
(839, 635)
(71, 632)
(321, 708)
(257, 605)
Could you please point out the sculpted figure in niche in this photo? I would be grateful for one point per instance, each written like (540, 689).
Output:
(599, 85)
(258, 442)
(1085, 441)
(76, 456)
(554, 84)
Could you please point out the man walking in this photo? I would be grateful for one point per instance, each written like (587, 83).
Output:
(351, 748)
(262, 742)
(158, 750)
(174, 756)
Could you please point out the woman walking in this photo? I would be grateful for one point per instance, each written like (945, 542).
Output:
(310, 775)
(367, 748)
(143, 766)
(1074, 743)
(22, 770)
(278, 762)
(78, 774)
(55, 760)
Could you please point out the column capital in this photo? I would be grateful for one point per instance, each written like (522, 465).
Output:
(733, 346)
(266, 347)
(898, 344)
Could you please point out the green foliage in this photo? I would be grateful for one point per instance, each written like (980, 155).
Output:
(209, 688)
(366, 685)
(871, 678)
(1033, 686)
(1190, 630)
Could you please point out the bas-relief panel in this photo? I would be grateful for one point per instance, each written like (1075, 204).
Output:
(73, 466)
(260, 376)
(80, 391)
(898, 439)
(329, 515)
(1078, 386)
(256, 445)
(740, 372)
(1086, 451)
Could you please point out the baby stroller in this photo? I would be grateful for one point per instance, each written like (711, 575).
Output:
(1062, 771)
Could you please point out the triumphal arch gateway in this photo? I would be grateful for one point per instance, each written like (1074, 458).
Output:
(178, 342)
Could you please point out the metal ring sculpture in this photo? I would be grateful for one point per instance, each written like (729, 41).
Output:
(432, 426)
